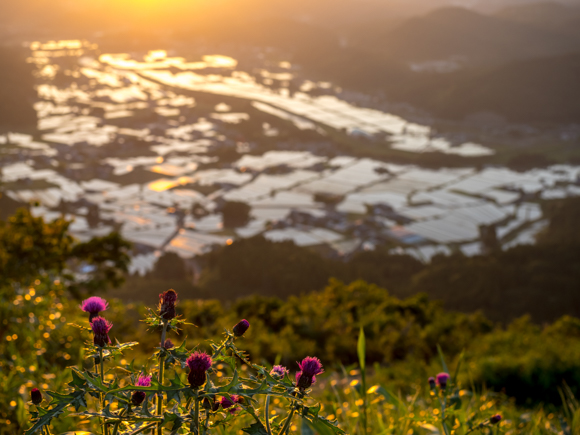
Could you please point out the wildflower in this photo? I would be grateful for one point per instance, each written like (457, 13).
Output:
(199, 363)
(495, 419)
(168, 344)
(241, 327)
(432, 383)
(36, 396)
(138, 397)
(278, 372)
(226, 402)
(442, 379)
(309, 368)
(167, 301)
(101, 328)
(93, 306)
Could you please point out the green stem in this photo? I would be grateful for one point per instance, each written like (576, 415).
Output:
(144, 428)
(196, 415)
(205, 426)
(289, 419)
(218, 351)
(443, 415)
(116, 428)
(102, 375)
(161, 374)
(267, 415)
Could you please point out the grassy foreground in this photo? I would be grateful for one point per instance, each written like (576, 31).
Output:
(387, 397)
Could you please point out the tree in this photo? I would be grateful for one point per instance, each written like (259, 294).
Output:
(31, 247)
(235, 214)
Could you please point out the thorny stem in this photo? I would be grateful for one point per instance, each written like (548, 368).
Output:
(289, 419)
(161, 374)
(196, 415)
(218, 351)
(105, 427)
(144, 428)
(116, 428)
(443, 415)
(205, 426)
(267, 415)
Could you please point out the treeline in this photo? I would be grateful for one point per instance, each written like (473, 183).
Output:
(540, 280)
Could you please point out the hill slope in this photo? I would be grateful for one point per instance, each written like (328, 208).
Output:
(476, 38)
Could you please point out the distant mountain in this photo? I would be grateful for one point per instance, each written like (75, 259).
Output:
(470, 37)
(539, 90)
(547, 15)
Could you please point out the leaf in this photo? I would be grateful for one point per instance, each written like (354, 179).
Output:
(306, 429)
(256, 429)
(361, 349)
(440, 352)
(231, 385)
(61, 401)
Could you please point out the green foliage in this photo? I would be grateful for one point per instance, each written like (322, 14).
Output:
(33, 247)
(30, 246)
(169, 266)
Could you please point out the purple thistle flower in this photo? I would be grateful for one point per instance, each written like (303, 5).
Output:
(226, 402)
(199, 363)
(309, 368)
(93, 306)
(442, 379)
(278, 372)
(241, 327)
(36, 396)
(143, 381)
(432, 383)
(167, 301)
(495, 419)
(101, 328)
(138, 397)
(168, 344)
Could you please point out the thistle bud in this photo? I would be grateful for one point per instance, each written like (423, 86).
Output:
(442, 379)
(101, 328)
(432, 383)
(36, 396)
(167, 302)
(241, 327)
(168, 344)
(226, 403)
(138, 397)
(309, 368)
(207, 403)
(495, 419)
(199, 363)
